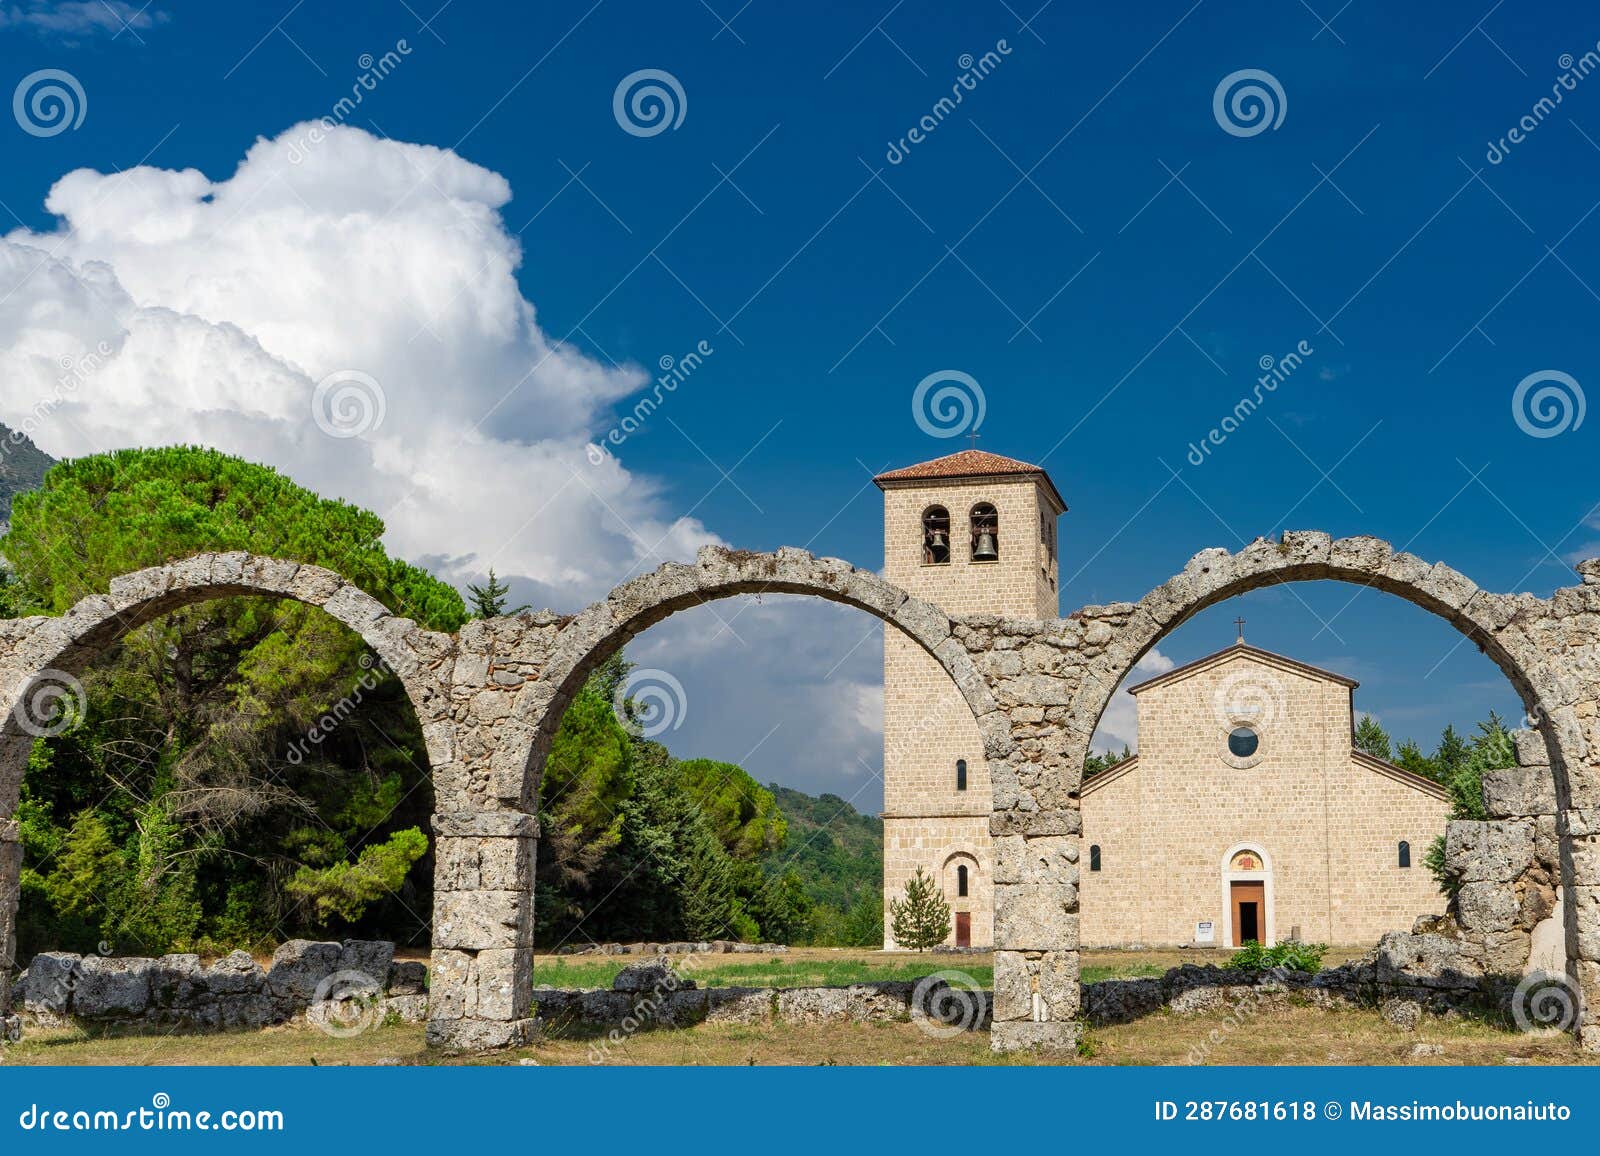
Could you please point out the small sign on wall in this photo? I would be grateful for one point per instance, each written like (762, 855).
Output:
(1205, 932)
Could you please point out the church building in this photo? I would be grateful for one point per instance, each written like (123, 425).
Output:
(1247, 813)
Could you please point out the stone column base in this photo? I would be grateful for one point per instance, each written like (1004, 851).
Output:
(474, 1035)
(1025, 1035)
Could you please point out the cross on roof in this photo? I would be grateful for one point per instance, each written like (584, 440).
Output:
(973, 437)
(1239, 622)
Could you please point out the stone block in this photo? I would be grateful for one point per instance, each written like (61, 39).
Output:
(48, 986)
(1036, 916)
(504, 980)
(408, 977)
(235, 974)
(478, 920)
(1484, 907)
(813, 1005)
(370, 957)
(177, 982)
(109, 988)
(1496, 851)
(1060, 1037)
(738, 1005)
(299, 965)
(1519, 792)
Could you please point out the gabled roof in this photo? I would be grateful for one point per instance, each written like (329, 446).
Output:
(1360, 758)
(1234, 651)
(1400, 774)
(968, 464)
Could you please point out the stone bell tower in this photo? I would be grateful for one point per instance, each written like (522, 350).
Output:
(974, 533)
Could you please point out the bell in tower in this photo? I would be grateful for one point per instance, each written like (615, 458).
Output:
(985, 527)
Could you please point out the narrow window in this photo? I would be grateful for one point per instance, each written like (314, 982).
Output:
(961, 882)
(961, 774)
(1405, 853)
(935, 536)
(1094, 857)
(985, 533)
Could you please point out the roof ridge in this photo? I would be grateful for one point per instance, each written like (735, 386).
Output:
(1242, 647)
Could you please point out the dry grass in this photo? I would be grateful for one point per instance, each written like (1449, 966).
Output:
(1290, 1035)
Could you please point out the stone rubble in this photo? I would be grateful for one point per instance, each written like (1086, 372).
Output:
(235, 992)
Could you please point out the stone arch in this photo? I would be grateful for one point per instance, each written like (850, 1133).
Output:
(585, 641)
(1503, 626)
(32, 650)
(1549, 649)
(36, 651)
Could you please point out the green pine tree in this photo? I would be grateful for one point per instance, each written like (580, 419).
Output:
(921, 918)
(489, 600)
(1372, 738)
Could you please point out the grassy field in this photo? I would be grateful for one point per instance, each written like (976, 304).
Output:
(1294, 1035)
(832, 966)
(1287, 1035)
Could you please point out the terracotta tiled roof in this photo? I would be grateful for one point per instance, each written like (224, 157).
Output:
(968, 464)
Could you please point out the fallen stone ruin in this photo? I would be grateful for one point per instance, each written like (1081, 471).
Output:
(233, 993)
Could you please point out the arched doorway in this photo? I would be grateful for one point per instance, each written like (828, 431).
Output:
(1247, 907)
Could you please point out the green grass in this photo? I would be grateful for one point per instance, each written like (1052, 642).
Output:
(715, 971)
(571, 973)
(1123, 971)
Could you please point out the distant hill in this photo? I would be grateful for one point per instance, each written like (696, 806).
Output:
(835, 849)
(22, 467)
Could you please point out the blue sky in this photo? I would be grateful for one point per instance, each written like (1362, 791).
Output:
(1081, 235)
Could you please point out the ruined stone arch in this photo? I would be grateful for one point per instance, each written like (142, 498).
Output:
(35, 649)
(40, 650)
(583, 642)
(1504, 626)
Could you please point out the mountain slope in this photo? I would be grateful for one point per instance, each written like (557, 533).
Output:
(22, 467)
(836, 850)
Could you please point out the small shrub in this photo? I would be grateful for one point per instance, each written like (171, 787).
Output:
(1294, 955)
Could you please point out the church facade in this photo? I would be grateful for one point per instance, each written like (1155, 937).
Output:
(1246, 814)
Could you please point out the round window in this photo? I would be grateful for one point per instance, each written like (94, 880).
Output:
(1242, 742)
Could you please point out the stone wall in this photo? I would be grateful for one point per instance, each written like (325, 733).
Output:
(233, 993)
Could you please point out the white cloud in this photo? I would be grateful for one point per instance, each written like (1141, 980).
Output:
(167, 307)
(811, 669)
(1119, 726)
(70, 17)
